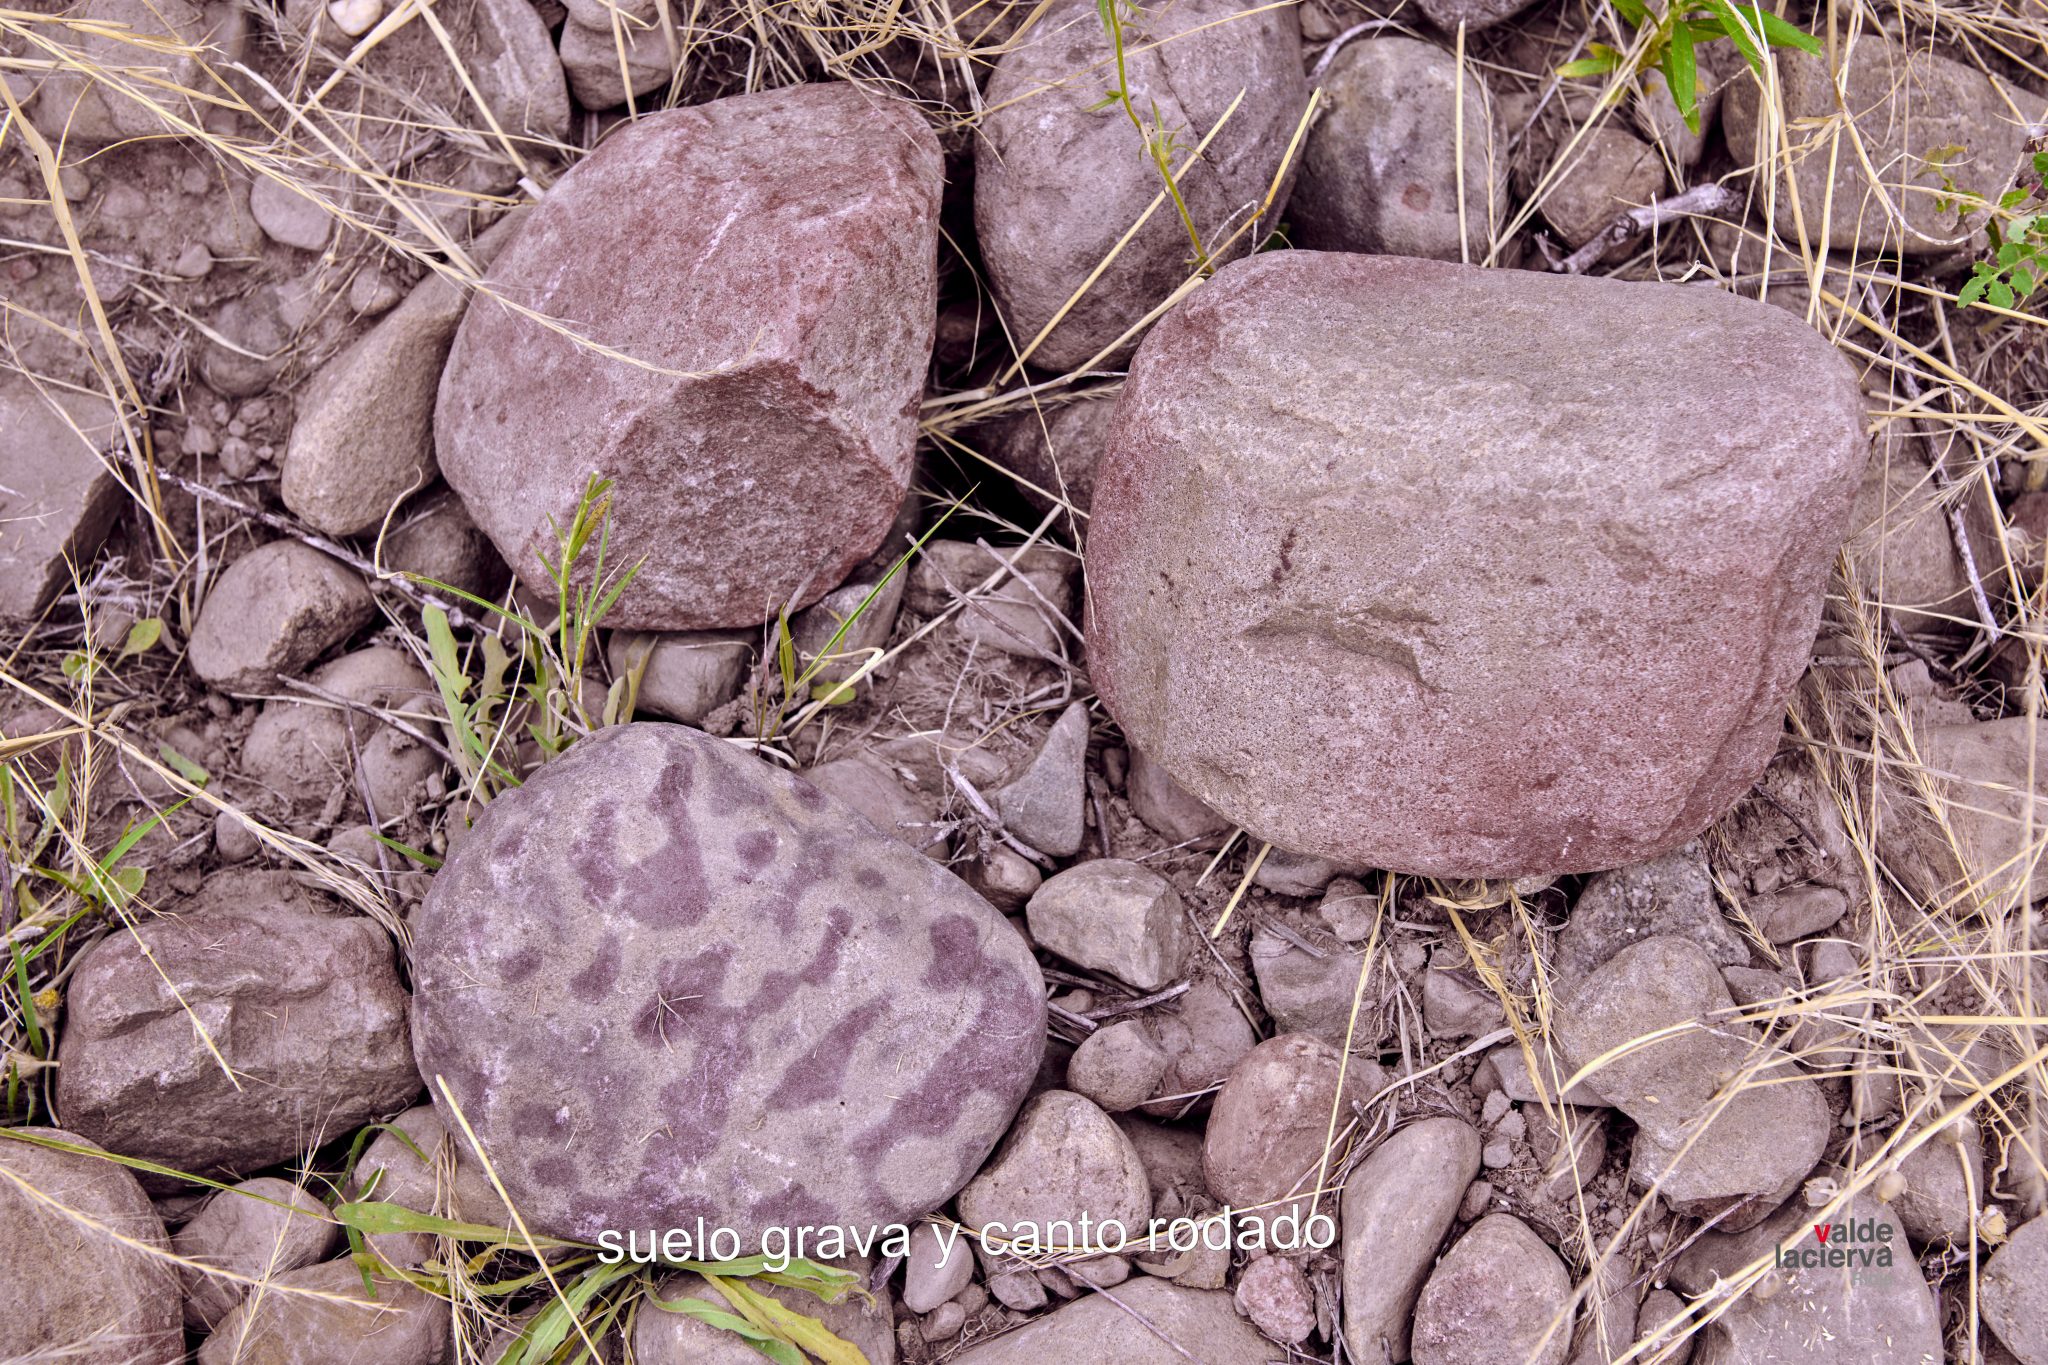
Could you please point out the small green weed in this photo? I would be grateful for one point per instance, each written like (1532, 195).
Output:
(1159, 140)
(1674, 39)
(2018, 263)
(544, 684)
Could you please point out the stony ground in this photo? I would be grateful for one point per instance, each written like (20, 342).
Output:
(379, 921)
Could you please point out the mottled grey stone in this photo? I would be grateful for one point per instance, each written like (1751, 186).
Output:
(665, 980)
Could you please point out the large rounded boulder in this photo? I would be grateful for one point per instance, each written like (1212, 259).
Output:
(728, 311)
(1461, 572)
(666, 981)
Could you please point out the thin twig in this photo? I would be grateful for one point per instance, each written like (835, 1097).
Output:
(1702, 200)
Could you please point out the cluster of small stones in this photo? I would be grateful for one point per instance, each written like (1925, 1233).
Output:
(666, 980)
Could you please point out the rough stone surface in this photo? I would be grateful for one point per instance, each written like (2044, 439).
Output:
(403, 1325)
(939, 1266)
(1511, 1068)
(1456, 1007)
(1906, 106)
(1205, 1034)
(1045, 806)
(74, 1294)
(440, 541)
(2012, 1294)
(464, 1194)
(1610, 172)
(1056, 448)
(289, 217)
(275, 610)
(1063, 1158)
(1165, 1322)
(1944, 1188)
(1113, 916)
(1902, 548)
(57, 499)
(1672, 896)
(1165, 805)
(1744, 1153)
(1276, 540)
(1275, 1295)
(1798, 911)
(260, 1228)
(1379, 171)
(687, 674)
(841, 631)
(1473, 14)
(363, 437)
(1495, 1299)
(1980, 775)
(300, 748)
(1267, 1131)
(661, 1338)
(1059, 182)
(865, 782)
(303, 1002)
(1119, 1066)
(590, 60)
(783, 248)
(1396, 1208)
(1830, 1315)
(811, 1025)
(84, 112)
(1303, 992)
(1013, 617)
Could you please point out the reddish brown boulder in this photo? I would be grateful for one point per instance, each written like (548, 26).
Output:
(728, 310)
(716, 992)
(1059, 181)
(1466, 573)
(302, 1003)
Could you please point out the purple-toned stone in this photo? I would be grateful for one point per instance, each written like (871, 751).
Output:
(728, 310)
(667, 981)
(1461, 572)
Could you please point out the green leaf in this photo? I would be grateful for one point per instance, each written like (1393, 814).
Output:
(2024, 281)
(550, 1327)
(1600, 63)
(2000, 294)
(1737, 27)
(1778, 33)
(1973, 290)
(411, 854)
(142, 636)
(184, 766)
(75, 664)
(1635, 11)
(785, 652)
(799, 1329)
(2009, 254)
(2041, 163)
(1681, 70)
(769, 1345)
(375, 1216)
(27, 997)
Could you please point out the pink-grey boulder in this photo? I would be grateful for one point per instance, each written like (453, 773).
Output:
(1059, 180)
(666, 980)
(1466, 573)
(728, 310)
